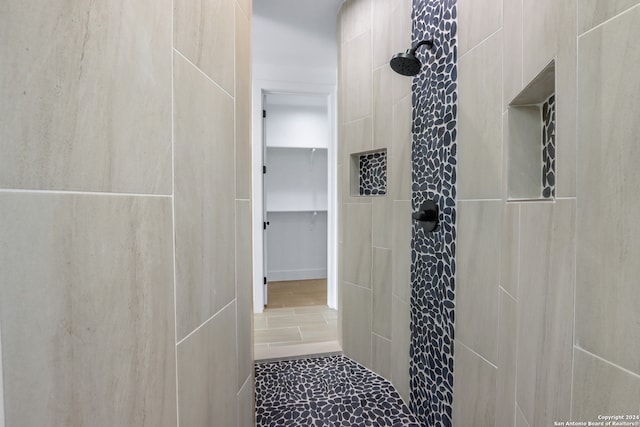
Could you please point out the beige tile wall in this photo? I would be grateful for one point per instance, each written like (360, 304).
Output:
(125, 203)
(375, 232)
(547, 291)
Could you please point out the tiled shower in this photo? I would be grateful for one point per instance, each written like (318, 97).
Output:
(521, 308)
(122, 123)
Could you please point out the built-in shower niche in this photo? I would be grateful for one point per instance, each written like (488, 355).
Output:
(369, 173)
(531, 140)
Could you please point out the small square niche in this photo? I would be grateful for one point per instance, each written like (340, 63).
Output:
(369, 173)
(532, 140)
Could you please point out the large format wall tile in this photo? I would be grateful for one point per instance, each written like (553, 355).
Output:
(480, 121)
(401, 40)
(246, 404)
(382, 273)
(381, 355)
(382, 24)
(401, 337)
(382, 222)
(204, 197)
(601, 388)
(356, 137)
(244, 294)
(401, 250)
(520, 421)
(206, 373)
(356, 62)
(512, 50)
(400, 157)
(243, 105)
(86, 90)
(357, 244)
(246, 6)
(594, 12)
(607, 292)
(476, 23)
(201, 33)
(87, 310)
(549, 33)
(356, 18)
(383, 136)
(478, 269)
(356, 327)
(506, 375)
(510, 239)
(474, 390)
(545, 318)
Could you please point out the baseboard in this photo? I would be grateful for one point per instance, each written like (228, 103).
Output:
(283, 275)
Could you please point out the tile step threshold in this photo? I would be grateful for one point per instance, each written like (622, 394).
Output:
(297, 351)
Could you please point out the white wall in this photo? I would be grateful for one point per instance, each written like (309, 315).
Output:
(296, 179)
(297, 126)
(297, 245)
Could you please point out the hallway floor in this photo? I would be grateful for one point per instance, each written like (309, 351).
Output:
(326, 391)
(296, 322)
(287, 332)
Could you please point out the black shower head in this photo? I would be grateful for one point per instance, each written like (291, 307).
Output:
(406, 63)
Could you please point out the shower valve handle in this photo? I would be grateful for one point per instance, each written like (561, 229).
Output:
(427, 216)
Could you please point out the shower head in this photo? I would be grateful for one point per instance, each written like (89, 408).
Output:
(406, 63)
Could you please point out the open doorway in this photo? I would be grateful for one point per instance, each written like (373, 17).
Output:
(295, 183)
(298, 291)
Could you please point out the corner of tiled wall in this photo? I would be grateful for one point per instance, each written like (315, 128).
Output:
(374, 236)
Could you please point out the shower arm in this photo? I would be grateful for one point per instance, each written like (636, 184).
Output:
(421, 43)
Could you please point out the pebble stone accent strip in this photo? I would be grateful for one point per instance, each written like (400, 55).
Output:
(549, 147)
(435, 98)
(373, 174)
(327, 391)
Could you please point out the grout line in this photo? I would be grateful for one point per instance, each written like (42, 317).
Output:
(359, 286)
(244, 384)
(522, 413)
(480, 43)
(475, 352)
(479, 200)
(203, 73)
(2, 421)
(633, 374)
(517, 311)
(205, 322)
(507, 292)
(518, 264)
(521, 32)
(381, 337)
(498, 330)
(86, 193)
(637, 6)
(173, 216)
(573, 326)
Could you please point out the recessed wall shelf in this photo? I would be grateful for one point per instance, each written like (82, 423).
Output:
(369, 173)
(531, 140)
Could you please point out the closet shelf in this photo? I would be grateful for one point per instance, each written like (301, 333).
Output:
(294, 147)
(294, 210)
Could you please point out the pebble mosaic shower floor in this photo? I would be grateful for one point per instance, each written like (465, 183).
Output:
(327, 391)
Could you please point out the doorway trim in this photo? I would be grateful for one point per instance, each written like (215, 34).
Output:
(260, 89)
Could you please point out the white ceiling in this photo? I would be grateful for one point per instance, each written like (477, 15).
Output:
(296, 33)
